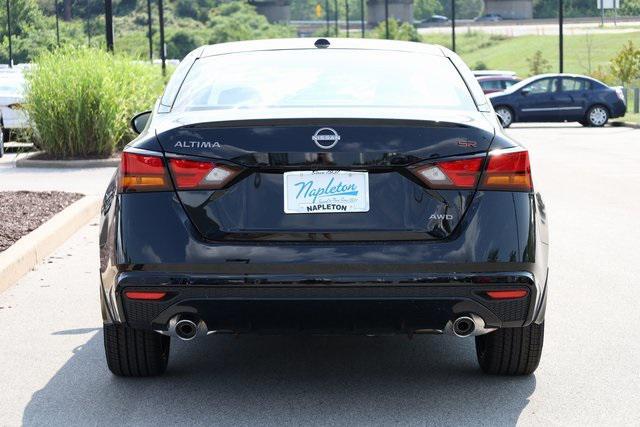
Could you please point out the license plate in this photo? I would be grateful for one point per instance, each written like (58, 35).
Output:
(326, 192)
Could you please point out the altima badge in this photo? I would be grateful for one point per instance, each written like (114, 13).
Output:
(326, 138)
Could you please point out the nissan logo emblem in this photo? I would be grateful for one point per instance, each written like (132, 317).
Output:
(326, 138)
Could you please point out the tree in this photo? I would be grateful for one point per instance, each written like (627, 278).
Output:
(626, 64)
(240, 21)
(538, 64)
(423, 9)
(181, 43)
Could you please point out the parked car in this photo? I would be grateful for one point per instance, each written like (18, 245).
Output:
(436, 19)
(496, 83)
(310, 198)
(489, 17)
(12, 114)
(559, 98)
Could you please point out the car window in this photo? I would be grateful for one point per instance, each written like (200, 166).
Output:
(491, 84)
(316, 78)
(569, 85)
(508, 83)
(542, 86)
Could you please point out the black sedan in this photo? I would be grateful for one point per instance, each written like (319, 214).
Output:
(338, 186)
(559, 98)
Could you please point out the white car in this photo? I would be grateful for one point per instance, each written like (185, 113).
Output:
(12, 114)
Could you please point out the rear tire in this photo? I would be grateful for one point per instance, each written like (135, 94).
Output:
(134, 352)
(597, 116)
(511, 351)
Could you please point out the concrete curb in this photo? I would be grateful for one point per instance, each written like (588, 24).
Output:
(626, 124)
(31, 249)
(25, 161)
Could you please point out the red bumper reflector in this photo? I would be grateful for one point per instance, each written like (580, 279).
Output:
(512, 294)
(145, 295)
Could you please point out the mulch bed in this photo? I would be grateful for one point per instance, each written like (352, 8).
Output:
(23, 211)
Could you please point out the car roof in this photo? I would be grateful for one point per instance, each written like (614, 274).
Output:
(496, 77)
(578, 76)
(308, 43)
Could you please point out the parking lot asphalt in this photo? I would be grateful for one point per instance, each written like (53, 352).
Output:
(52, 368)
(82, 180)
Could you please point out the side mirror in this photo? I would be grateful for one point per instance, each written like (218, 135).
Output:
(525, 91)
(139, 121)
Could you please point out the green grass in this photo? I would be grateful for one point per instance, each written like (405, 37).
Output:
(511, 53)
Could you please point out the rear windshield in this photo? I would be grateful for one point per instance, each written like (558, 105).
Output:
(323, 78)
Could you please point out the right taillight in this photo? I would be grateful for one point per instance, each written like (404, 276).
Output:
(507, 170)
(201, 175)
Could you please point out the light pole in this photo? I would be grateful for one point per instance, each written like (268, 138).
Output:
(326, 13)
(336, 14)
(108, 24)
(362, 17)
(9, 33)
(149, 29)
(163, 51)
(453, 25)
(386, 19)
(560, 40)
(346, 6)
(57, 24)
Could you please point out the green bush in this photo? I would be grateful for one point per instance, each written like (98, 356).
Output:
(80, 100)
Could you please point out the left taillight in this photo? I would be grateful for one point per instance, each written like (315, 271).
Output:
(139, 173)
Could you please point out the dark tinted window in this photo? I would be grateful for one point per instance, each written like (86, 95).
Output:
(509, 83)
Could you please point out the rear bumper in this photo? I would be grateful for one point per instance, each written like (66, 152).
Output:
(501, 243)
(358, 305)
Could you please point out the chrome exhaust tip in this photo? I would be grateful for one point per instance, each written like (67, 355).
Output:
(467, 325)
(186, 328)
(463, 326)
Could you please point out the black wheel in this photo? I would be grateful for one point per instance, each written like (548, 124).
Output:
(135, 353)
(511, 351)
(597, 116)
(505, 114)
(584, 123)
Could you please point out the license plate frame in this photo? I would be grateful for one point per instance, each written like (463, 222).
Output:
(326, 191)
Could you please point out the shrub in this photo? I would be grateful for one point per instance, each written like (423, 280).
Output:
(397, 31)
(480, 65)
(80, 100)
(538, 64)
(625, 66)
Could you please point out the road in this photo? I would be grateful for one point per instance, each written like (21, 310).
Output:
(52, 370)
(539, 28)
